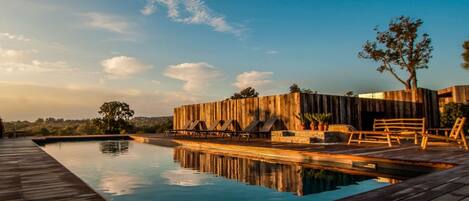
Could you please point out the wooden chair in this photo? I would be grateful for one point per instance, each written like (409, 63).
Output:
(390, 130)
(386, 137)
(406, 128)
(456, 135)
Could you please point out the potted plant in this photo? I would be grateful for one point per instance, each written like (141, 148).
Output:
(313, 123)
(322, 119)
(302, 119)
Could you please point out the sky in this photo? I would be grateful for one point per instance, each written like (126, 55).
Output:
(64, 58)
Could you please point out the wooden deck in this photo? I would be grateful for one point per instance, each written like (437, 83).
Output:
(29, 173)
(450, 184)
(408, 152)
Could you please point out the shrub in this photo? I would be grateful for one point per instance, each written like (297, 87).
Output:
(451, 112)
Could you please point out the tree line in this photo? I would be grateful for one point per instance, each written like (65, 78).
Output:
(115, 118)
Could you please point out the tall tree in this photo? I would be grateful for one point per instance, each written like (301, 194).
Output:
(400, 47)
(245, 93)
(465, 55)
(294, 88)
(115, 117)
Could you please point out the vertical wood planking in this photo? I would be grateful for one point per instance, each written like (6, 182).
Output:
(346, 110)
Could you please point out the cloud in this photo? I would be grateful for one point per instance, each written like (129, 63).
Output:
(21, 61)
(123, 66)
(254, 79)
(12, 55)
(148, 9)
(156, 82)
(193, 12)
(107, 22)
(197, 76)
(14, 37)
(271, 52)
(35, 66)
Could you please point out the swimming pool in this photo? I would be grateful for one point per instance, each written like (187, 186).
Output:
(128, 170)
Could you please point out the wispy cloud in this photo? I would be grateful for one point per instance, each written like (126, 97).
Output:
(123, 66)
(148, 9)
(35, 66)
(254, 79)
(11, 36)
(22, 61)
(106, 22)
(197, 76)
(271, 52)
(194, 12)
(14, 55)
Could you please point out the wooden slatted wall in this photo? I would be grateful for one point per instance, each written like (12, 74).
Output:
(346, 110)
(243, 111)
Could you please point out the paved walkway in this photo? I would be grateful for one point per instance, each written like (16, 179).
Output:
(29, 173)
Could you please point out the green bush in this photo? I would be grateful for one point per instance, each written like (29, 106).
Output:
(451, 112)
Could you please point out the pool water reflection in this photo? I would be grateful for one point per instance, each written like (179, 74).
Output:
(128, 170)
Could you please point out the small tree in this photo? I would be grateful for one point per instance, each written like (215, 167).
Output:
(294, 88)
(308, 91)
(349, 94)
(465, 55)
(399, 47)
(245, 93)
(115, 117)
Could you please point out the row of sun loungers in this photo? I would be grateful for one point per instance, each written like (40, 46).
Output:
(198, 128)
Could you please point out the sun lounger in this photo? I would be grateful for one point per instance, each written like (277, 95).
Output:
(264, 130)
(174, 131)
(207, 131)
(193, 128)
(224, 127)
(249, 128)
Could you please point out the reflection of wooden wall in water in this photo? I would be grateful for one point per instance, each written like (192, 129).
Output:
(355, 111)
(282, 177)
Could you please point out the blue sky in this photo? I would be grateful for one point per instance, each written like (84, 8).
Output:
(64, 58)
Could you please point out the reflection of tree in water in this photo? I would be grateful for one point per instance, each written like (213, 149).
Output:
(114, 147)
(282, 177)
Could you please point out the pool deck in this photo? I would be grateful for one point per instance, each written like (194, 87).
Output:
(29, 173)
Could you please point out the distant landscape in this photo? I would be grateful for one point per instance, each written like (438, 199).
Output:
(58, 126)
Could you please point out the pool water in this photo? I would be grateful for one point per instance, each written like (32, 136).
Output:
(128, 170)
